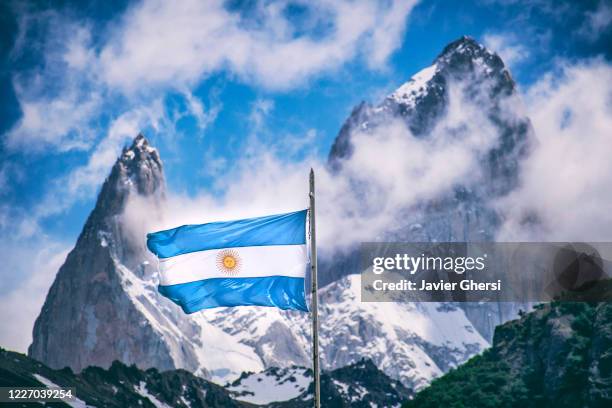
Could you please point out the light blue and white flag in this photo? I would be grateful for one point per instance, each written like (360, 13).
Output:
(256, 261)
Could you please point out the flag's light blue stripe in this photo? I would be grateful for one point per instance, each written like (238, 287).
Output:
(283, 292)
(281, 229)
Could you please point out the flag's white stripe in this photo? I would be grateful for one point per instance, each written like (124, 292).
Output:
(253, 262)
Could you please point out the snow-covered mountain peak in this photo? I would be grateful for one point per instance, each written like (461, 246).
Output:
(424, 99)
(410, 342)
(465, 45)
(139, 166)
(463, 59)
(458, 58)
(272, 384)
(104, 306)
(415, 87)
(467, 57)
(141, 148)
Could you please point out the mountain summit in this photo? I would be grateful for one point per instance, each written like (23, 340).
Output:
(104, 305)
(467, 94)
(422, 101)
(87, 318)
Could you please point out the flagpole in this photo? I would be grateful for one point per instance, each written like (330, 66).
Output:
(314, 297)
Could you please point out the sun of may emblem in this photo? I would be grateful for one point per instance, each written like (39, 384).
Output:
(229, 262)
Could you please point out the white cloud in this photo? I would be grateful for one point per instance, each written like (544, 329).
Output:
(386, 37)
(157, 47)
(82, 182)
(36, 265)
(508, 47)
(260, 109)
(389, 172)
(195, 108)
(567, 178)
(63, 122)
(597, 21)
(78, 53)
(58, 101)
(160, 43)
(214, 165)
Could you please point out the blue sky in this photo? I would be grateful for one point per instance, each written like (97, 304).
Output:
(295, 110)
(210, 84)
(531, 34)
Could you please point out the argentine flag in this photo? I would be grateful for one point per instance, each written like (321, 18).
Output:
(256, 261)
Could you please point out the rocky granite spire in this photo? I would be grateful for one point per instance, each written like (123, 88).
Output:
(464, 212)
(87, 319)
(424, 99)
(422, 104)
(104, 304)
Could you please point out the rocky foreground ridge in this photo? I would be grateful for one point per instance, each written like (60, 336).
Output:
(122, 386)
(559, 355)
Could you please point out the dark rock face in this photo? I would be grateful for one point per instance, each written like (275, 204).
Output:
(87, 318)
(118, 386)
(421, 104)
(556, 356)
(567, 357)
(464, 213)
(359, 385)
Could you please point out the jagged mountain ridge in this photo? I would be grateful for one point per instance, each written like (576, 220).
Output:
(410, 342)
(466, 212)
(422, 100)
(84, 293)
(104, 305)
(107, 269)
(463, 213)
(360, 384)
(119, 386)
(413, 343)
